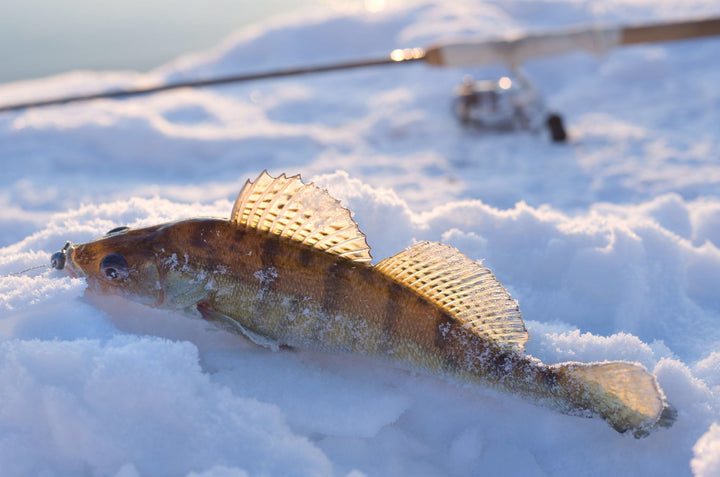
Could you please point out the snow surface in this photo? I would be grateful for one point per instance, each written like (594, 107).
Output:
(611, 244)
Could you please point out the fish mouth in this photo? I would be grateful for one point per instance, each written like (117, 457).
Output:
(70, 265)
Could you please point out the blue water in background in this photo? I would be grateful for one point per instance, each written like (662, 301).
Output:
(44, 37)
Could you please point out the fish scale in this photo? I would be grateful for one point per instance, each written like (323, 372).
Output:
(291, 268)
(375, 311)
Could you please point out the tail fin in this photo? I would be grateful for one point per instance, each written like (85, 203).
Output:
(625, 394)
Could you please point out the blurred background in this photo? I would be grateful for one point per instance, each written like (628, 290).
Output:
(44, 37)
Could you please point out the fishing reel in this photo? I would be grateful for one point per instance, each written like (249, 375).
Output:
(505, 104)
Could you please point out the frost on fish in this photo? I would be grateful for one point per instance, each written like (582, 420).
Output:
(291, 268)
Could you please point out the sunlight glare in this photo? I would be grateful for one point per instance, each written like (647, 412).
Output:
(375, 5)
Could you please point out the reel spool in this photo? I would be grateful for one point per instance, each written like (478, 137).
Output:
(505, 104)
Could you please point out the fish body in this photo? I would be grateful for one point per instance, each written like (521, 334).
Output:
(291, 268)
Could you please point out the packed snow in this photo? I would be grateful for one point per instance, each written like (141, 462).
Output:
(610, 243)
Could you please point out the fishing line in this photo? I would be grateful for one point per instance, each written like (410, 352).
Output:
(16, 274)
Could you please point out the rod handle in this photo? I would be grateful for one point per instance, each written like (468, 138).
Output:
(631, 35)
(515, 50)
(595, 40)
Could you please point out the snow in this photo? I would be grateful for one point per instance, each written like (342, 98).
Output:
(610, 243)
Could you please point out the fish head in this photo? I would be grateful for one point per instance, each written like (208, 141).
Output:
(122, 262)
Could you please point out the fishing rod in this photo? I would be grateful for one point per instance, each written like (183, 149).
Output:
(511, 50)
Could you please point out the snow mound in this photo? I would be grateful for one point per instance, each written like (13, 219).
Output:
(610, 243)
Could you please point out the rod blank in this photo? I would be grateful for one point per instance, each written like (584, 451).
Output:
(396, 57)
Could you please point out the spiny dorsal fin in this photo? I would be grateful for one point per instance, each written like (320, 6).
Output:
(305, 213)
(463, 288)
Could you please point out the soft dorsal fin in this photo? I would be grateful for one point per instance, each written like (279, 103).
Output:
(305, 213)
(463, 288)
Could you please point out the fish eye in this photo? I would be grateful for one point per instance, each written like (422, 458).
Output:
(114, 266)
(118, 230)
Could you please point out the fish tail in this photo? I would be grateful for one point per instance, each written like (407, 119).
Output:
(625, 394)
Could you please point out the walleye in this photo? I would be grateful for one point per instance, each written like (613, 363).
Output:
(291, 268)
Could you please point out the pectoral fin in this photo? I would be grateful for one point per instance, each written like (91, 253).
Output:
(225, 322)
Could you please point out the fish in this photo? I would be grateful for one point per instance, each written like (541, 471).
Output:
(291, 268)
